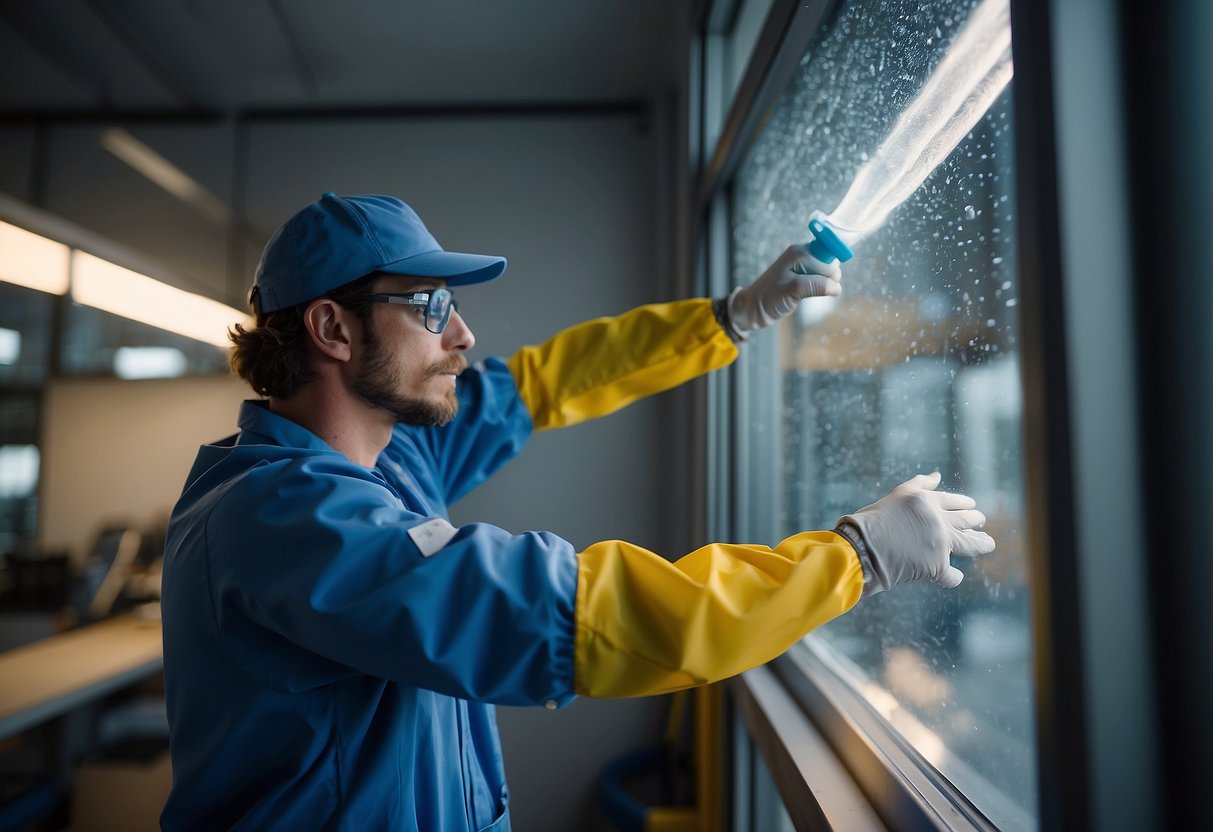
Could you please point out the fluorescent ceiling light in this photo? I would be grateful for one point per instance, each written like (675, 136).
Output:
(31, 260)
(164, 173)
(103, 285)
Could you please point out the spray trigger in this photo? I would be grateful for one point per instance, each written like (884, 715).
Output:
(827, 246)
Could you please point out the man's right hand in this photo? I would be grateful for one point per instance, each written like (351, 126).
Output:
(908, 534)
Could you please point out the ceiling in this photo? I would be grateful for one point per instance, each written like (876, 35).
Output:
(92, 70)
(82, 58)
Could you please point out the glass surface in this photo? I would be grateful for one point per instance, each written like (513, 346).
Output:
(25, 326)
(96, 342)
(728, 55)
(769, 812)
(913, 369)
(25, 341)
(757, 805)
(436, 305)
(747, 26)
(19, 470)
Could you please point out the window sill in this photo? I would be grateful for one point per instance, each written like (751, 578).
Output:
(817, 790)
(838, 764)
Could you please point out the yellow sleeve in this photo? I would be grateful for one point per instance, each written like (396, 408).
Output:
(602, 365)
(646, 626)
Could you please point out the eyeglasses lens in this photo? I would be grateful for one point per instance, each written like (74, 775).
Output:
(438, 310)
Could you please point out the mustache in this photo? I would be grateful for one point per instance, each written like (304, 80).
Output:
(456, 365)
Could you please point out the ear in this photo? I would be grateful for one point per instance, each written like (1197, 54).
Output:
(330, 328)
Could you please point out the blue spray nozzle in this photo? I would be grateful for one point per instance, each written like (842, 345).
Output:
(827, 246)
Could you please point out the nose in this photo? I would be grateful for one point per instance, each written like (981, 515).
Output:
(457, 336)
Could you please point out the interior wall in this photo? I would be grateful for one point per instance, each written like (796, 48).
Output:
(16, 161)
(572, 202)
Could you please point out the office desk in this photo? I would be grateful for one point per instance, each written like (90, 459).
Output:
(50, 677)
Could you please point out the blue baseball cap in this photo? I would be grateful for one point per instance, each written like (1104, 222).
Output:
(339, 239)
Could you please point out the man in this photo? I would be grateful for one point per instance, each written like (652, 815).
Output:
(334, 646)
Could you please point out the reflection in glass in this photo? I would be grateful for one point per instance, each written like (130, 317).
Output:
(19, 470)
(25, 326)
(746, 28)
(913, 369)
(10, 346)
(96, 342)
(730, 45)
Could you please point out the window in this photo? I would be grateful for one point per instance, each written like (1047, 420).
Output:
(25, 340)
(733, 29)
(19, 469)
(914, 369)
(98, 343)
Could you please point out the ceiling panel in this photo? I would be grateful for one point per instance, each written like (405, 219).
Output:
(234, 52)
(230, 55)
(93, 53)
(34, 79)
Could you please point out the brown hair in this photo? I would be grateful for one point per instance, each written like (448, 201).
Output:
(272, 355)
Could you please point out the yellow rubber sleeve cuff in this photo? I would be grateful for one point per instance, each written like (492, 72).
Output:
(600, 366)
(647, 626)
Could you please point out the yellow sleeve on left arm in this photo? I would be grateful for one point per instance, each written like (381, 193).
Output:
(646, 626)
(605, 364)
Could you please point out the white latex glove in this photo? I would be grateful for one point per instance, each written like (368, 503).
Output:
(909, 533)
(794, 276)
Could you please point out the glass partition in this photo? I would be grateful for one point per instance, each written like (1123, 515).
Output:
(25, 336)
(98, 343)
(44, 336)
(25, 347)
(19, 470)
(729, 46)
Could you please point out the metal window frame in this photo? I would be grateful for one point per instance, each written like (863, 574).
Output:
(816, 786)
(786, 34)
(1170, 97)
(1075, 93)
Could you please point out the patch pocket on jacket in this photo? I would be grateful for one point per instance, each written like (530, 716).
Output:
(502, 823)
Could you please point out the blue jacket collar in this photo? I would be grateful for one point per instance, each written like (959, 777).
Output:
(258, 425)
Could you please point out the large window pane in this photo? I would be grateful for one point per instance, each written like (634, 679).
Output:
(914, 369)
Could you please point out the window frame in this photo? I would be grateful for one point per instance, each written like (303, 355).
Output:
(1085, 706)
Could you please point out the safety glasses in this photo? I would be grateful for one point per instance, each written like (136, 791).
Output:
(438, 305)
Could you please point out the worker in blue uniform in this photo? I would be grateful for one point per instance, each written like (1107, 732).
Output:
(334, 646)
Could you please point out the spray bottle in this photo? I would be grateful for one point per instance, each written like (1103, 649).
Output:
(827, 245)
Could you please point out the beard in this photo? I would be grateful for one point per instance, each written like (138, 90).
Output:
(378, 383)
